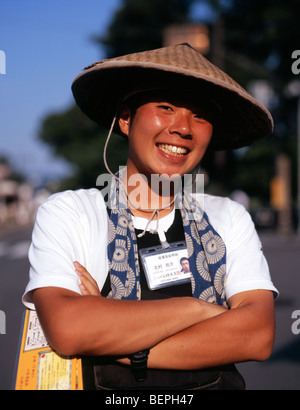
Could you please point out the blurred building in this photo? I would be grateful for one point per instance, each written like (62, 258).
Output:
(18, 200)
(197, 35)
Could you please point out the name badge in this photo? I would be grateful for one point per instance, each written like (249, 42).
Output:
(166, 267)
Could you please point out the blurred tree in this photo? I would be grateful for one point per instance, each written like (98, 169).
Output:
(257, 43)
(81, 142)
(270, 31)
(138, 25)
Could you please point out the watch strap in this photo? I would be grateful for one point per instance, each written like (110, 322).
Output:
(139, 364)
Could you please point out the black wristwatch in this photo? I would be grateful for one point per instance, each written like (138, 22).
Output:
(139, 364)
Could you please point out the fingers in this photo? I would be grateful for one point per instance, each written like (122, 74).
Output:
(87, 285)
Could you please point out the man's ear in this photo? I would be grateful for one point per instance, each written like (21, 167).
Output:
(124, 119)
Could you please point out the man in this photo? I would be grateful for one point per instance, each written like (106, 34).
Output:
(171, 104)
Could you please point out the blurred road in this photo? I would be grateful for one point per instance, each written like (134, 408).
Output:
(14, 245)
(280, 372)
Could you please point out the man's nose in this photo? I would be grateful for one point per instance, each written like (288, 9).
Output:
(181, 124)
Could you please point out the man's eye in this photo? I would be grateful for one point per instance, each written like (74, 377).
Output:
(165, 107)
(200, 116)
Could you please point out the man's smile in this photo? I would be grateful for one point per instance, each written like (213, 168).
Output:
(173, 149)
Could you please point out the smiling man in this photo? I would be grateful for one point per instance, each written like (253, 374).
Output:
(142, 325)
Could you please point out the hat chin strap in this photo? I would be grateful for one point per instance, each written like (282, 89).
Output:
(106, 145)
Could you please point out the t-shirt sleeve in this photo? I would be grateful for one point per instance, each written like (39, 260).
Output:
(57, 241)
(247, 268)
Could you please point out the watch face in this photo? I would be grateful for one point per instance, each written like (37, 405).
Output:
(143, 354)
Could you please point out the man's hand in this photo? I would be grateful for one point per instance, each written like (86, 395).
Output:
(88, 285)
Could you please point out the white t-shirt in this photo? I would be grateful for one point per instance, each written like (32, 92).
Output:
(73, 225)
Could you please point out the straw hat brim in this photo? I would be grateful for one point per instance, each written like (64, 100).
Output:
(243, 120)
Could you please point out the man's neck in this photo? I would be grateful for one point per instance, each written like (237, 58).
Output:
(147, 194)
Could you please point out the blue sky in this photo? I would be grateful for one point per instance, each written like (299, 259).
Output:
(46, 44)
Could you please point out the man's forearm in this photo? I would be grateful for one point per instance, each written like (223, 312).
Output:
(122, 327)
(237, 335)
(95, 325)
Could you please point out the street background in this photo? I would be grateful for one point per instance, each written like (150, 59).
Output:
(280, 372)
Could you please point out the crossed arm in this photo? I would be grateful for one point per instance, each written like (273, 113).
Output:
(183, 333)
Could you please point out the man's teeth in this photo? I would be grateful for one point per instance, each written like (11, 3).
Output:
(172, 149)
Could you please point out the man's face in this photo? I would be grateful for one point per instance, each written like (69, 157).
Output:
(185, 265)
(166, 136)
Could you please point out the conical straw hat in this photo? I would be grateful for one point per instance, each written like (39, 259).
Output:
(99, 88)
